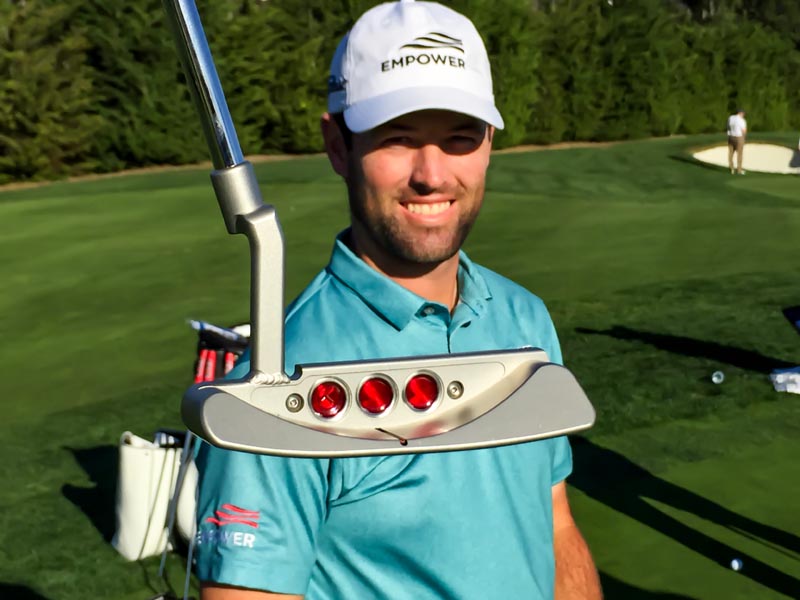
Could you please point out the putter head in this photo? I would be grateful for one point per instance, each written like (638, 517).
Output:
(425, 404)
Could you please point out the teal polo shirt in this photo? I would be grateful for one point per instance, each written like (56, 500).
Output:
(453, 525)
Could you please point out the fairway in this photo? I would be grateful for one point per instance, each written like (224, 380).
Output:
(657, 270)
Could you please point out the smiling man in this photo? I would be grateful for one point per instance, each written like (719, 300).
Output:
(409, 128)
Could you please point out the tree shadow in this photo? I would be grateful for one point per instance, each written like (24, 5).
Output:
(98, 502)
(610, 478)
(696, 163)
(14, 591)
(738, 357)
(616, 589)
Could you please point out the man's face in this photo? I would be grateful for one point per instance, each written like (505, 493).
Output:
(416, 184)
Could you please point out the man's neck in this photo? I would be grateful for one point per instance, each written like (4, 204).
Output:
(435, 282)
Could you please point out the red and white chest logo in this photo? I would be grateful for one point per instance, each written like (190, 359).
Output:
(230, 514)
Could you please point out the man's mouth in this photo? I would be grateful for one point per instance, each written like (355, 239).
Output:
(432, 208)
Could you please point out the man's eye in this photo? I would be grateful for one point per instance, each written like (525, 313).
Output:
(463, 143)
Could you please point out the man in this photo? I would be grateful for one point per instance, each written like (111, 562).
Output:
(409, 128)
(737, 129)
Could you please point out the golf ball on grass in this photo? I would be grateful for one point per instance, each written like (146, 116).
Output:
(736, 564)
(718, 377)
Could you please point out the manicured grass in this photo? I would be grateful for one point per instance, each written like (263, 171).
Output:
(658, 271)
(682, 500)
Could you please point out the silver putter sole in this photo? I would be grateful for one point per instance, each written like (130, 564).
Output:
(363, 408)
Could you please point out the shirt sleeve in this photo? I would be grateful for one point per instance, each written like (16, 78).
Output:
(561, 459)
(258, 519)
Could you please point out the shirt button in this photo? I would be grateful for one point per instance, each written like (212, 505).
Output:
(428, 311)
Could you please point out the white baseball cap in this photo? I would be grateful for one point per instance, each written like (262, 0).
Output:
(406, 56)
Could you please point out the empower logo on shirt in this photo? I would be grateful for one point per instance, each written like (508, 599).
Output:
(228, 514)
(225, 538)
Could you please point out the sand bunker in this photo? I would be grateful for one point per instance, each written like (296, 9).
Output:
(762, 158)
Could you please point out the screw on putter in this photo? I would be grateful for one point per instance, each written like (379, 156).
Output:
(359, 408)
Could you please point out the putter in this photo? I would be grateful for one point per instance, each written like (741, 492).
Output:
(359, 408)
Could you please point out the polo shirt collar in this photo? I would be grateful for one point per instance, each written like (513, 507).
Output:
(389, 299)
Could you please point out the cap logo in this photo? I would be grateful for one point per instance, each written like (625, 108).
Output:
(431, 41)
(435, 40)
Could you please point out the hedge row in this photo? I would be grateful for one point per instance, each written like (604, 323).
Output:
(95, 86)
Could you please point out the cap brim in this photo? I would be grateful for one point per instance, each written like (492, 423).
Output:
(370, 113)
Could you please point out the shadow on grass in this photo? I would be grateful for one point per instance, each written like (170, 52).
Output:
(737, 357)
(792, 314)
(18, 592)
(154, 584)
(614, 589)
(610, 478)
(697, 163)
(96, 502)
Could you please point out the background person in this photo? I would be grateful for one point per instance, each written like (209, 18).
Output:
(409, 129)
(737, 130)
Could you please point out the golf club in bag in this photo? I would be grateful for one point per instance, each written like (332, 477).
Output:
(218, 349)
(439, 403)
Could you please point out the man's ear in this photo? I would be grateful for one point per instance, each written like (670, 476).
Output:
(334, 145)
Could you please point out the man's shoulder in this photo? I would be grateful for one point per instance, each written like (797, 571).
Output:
(506, 289)
(521, 314)
(310, 296)
(325, 295)
(324, 311)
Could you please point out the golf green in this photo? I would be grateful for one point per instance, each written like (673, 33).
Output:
(658, 271)
(674, 525)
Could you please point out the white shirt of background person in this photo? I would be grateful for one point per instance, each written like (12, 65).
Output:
(737, 126)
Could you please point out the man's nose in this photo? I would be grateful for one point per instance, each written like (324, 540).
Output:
(429, 171)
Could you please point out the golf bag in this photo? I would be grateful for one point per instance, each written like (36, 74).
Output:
(155, 502)
(157, 480)
(218, 349)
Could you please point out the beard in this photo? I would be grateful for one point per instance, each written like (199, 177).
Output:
(421, 246)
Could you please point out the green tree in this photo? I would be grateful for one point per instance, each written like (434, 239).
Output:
(273, 60)
(577, 86)
(782, 16)
(139, 88)
(511, 31)
(46, 120)
(651, 65)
